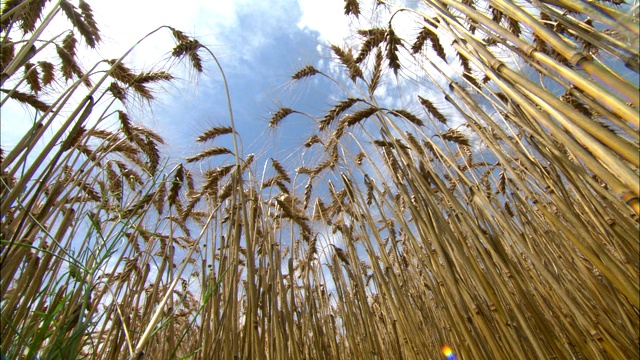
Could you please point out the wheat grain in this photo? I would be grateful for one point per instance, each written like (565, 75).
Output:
(514, 26)
(179, 35)
(421, 40)
(415, 144)
(282, 173)
(148, 77)
(120, 72)
(377, 73)
(341, 255)
(335, 112)
(148, 134)
(355, 118)
(432, 109)
(455, 136)
(218, 150)
(214, 132)
(393, 42)
(113, 182)
(31, 76)
(176, 184)
(247, 162)
(352, 7)
(74, 137)
(188, 47)
(7, 53)
(306, 71)
(437, 46)
(279, 115)
(374, 37)
(143, 91)
(407, 115)
(83, 22)
(117, 91)
(314, 139)
(30, 15)
(346, 58)
(29, 99)
(87, 16)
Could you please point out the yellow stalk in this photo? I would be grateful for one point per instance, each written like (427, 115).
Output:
(629, 92)
(589, 87)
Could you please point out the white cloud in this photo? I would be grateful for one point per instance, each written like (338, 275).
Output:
(122, 28)
(327, 18)
(142, 16)
(216, 24)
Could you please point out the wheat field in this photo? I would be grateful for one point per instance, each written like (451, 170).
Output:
(493, 216)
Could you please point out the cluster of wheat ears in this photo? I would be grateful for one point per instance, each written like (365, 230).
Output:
(496, 214)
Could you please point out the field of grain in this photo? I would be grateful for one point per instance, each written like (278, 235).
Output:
(497, 219)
